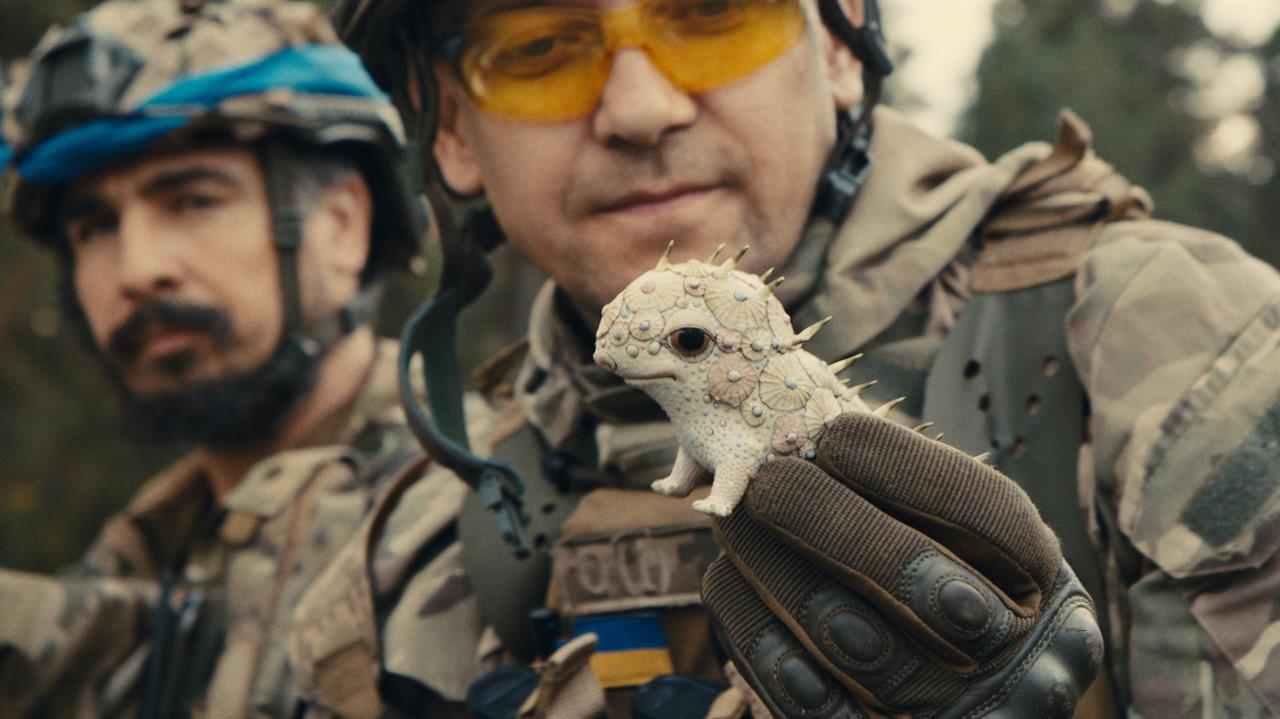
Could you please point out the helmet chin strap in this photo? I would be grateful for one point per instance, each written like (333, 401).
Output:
(302, 344)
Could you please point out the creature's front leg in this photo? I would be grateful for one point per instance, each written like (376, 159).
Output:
(727, 489)
(685, 475)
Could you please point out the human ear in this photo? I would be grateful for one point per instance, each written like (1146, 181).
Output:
(844, 71)
(453, 147)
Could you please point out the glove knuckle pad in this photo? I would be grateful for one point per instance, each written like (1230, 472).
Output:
(961, 609)
(857, 640)
(793, 682)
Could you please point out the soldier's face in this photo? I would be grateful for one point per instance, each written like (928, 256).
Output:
(594, 200)
(176, 272)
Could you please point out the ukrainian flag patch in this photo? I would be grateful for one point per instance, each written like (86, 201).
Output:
(632, 648)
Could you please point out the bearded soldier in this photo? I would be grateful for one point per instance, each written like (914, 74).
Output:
(1123, 371)
(223, 184)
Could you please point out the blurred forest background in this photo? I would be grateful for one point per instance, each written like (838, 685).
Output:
(1191, 115)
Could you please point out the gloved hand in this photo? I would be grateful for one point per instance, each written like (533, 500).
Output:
(897, 575)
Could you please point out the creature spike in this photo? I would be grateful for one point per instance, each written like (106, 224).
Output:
(842, 365)
(985, 457)
(940, 436)
(860, 388)
(715, 254)
(769, 288)
(730, 264)
(809, 332)
(664, 262)
(764, 276)
(883, 410)
(922, 427)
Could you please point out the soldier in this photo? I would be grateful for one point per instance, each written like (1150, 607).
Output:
(1125, 372)
(222, 183)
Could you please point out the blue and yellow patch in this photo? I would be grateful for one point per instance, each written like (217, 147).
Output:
(632, 648)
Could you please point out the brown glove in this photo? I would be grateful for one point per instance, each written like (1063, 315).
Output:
(898, 575)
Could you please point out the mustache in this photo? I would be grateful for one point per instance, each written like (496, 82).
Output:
(127, 341)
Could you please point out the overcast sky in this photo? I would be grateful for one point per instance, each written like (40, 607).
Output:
(946, 38)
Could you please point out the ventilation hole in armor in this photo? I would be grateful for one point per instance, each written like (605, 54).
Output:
(1033, 405)
(984, 402)
(995, 443)
(1051, 366)
(548, 508)
(972, 369)
(540, 541)
(1020, 447)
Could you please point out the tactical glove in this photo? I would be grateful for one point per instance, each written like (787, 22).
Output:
(897, 575)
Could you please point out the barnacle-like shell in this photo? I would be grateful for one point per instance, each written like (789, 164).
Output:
(788, 434)
(754, 413)
(735, 303)
(784, 385)
(822, 408)
(694, 268)
(655, 291)
(822, 375)
(729, 340)
(696, 285)
(731, 380)
(619, 333)
(757, 343)
(608, 316)
(647, 325)
(779, 321)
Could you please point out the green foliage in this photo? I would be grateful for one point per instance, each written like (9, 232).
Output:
(1125, 73)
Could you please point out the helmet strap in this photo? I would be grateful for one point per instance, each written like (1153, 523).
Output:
(849, 163)
(302, 344)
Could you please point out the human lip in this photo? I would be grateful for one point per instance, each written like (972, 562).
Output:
(165, 342)
(656, 202)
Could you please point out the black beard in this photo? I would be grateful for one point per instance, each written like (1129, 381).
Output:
(239, 410)
(242, 409)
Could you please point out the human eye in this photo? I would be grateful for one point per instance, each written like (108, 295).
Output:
(540, 52)
(192, 201)
(703, 17)
(89, 228)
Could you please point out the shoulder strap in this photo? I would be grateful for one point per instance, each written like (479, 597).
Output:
(508, 588)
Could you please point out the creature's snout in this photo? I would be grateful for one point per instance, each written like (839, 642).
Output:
(603, 359)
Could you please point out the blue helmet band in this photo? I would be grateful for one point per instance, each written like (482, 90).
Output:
(310, 70)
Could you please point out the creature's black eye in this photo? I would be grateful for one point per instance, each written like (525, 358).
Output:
(689, 341)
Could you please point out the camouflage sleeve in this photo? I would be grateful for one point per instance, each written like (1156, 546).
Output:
(70, 646)
(1176, 333)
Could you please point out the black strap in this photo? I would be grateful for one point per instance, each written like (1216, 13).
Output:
(431, 333)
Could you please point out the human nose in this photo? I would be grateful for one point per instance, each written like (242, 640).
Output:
(638, 104)
(148, 262)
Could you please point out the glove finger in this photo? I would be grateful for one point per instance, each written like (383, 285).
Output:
(915, 582)
(853, 640)
(975, 511)
(773, 662)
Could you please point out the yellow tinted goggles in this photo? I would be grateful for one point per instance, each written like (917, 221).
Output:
(550, 63)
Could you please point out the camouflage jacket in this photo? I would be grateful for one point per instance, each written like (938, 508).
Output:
(315, 588)
(1174, 334)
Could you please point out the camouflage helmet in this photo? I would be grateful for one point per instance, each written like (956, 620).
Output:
(130, 75)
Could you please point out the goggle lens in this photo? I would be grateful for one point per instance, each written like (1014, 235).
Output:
(550, 63)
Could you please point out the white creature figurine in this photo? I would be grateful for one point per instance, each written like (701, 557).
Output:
(716, 350)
